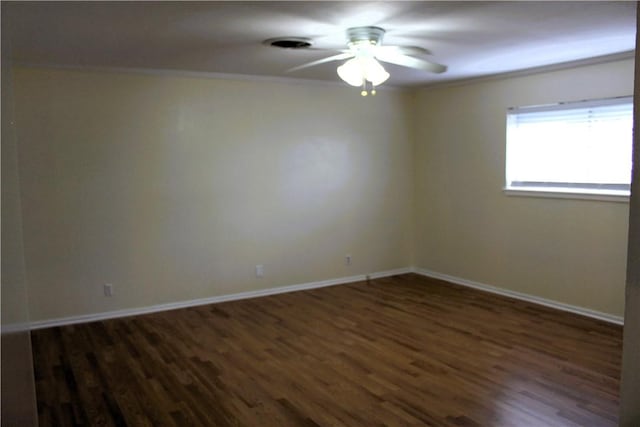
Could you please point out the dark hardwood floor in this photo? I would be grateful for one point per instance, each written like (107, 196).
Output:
(399, 351)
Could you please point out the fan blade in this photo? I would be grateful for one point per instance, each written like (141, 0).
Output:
(322, 61)
(404, 50)
(408, 61)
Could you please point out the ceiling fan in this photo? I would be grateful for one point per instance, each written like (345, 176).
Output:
(363, 53)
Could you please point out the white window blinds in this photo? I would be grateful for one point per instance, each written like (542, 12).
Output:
(581, 146)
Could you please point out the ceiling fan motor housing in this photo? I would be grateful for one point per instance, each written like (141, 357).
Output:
(370, 34)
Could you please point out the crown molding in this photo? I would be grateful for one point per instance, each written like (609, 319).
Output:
(615, 57)
(334, 83)
(162, 72)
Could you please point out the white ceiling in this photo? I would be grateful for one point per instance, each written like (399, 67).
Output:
(473, 38)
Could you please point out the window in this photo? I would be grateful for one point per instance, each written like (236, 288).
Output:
(570, 149)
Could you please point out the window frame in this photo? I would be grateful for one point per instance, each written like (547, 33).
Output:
(567, 190)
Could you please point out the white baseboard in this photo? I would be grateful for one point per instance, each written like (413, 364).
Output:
(390, 273)
(13, 328)
(619, 320)
(305, 286)
(41, 324)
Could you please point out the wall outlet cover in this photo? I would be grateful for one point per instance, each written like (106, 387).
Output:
(108, 290)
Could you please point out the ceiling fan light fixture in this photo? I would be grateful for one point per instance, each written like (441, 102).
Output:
(360, 70)
(374, 71)
(364, 69)
(351, 72)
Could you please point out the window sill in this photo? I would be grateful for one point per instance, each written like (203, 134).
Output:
(563, 194)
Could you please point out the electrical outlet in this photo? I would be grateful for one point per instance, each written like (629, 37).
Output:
(108, 290)
(347, 260)
(259, 270)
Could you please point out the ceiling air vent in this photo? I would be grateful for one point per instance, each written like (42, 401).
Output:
(288, 42)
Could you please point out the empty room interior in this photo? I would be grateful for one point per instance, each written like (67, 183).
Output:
(319, 213)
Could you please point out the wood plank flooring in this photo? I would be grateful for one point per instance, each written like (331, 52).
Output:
(399, 351)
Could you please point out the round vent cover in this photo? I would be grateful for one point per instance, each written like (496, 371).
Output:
(288, 42)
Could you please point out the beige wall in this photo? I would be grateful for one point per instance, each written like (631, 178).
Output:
(14, 313)
(18, 400)
(570, 251)
(630, 384)
(175, 188)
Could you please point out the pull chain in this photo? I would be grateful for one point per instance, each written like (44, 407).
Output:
(368, 90)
